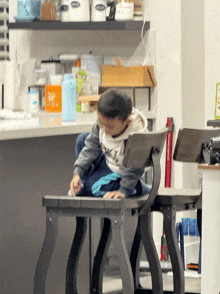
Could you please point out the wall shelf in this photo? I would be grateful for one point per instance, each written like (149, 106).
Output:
(103, 89)
(57, 25)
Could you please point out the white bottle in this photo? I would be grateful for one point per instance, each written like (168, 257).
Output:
(33, 101)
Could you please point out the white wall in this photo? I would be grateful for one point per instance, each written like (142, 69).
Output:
(180, 75)
(212, 60)
(179, 65)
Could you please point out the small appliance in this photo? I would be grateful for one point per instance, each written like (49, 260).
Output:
(214, 150)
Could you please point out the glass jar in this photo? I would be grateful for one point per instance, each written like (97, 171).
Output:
(57, 6)
(41, 77)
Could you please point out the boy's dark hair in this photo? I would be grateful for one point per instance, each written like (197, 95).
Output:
(114, 103)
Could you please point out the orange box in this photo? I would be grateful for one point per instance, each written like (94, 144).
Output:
(53, 98)
(128, 76)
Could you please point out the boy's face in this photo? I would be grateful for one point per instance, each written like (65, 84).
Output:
(113, 126)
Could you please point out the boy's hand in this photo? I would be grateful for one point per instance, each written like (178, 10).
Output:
(114, 194)
(75, 185)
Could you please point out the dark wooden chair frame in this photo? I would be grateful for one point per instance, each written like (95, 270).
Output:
(142, 150)
(192, 145)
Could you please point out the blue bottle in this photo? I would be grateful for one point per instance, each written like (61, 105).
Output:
(68, 98)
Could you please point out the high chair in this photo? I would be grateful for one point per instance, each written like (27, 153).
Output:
(192, 145)
(142, 150)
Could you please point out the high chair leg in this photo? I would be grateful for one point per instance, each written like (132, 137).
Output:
(151, 253)
(73, 260)
(122, 254)
(46, 251)
(98, 267)
(135, 256)
(169, 213)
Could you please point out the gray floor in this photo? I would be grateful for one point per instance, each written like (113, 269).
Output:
(112, 282)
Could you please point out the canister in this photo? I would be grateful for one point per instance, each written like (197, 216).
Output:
(75, 10)
(98, 10)
(65, 6)
(124, 11)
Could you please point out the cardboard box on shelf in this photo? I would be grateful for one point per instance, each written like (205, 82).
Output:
(128, 76)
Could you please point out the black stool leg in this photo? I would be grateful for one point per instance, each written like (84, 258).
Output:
(199, 221)
(73, 260)
(135, 256)
(172, 243)
(98, 267)
(151, 252)
(46, 251)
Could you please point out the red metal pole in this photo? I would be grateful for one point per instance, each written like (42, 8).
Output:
(169, 144)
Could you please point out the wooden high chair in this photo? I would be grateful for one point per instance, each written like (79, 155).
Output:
(142, 150)
(192, 145)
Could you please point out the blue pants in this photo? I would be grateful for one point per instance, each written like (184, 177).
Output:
(99, 179)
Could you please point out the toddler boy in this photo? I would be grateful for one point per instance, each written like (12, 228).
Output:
(99, 169)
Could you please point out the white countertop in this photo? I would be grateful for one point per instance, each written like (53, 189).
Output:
(44, 125)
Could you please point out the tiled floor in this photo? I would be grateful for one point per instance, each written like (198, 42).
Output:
(113, 284)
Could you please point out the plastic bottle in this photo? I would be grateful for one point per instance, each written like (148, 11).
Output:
(68, 98)
(33, 101)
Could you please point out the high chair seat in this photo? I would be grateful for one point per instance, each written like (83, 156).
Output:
(172, 196)
(142, 150)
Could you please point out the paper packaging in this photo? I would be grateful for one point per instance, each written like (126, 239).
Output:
(48, 11)
(9, 85)
(17, 78)
(53, 98)
(131, 76)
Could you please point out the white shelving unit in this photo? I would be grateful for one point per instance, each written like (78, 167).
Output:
(4, 40)
(26, 33)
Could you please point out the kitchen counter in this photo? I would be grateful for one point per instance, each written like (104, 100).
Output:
(36, 159)
(44, 124)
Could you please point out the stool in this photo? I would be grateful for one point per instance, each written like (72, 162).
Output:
(142, 150)
(192, 145)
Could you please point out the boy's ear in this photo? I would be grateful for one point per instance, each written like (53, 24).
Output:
(129, 119)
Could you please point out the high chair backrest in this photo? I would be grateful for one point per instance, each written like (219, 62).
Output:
(139, 148)
(144, 150)
(192, 145)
